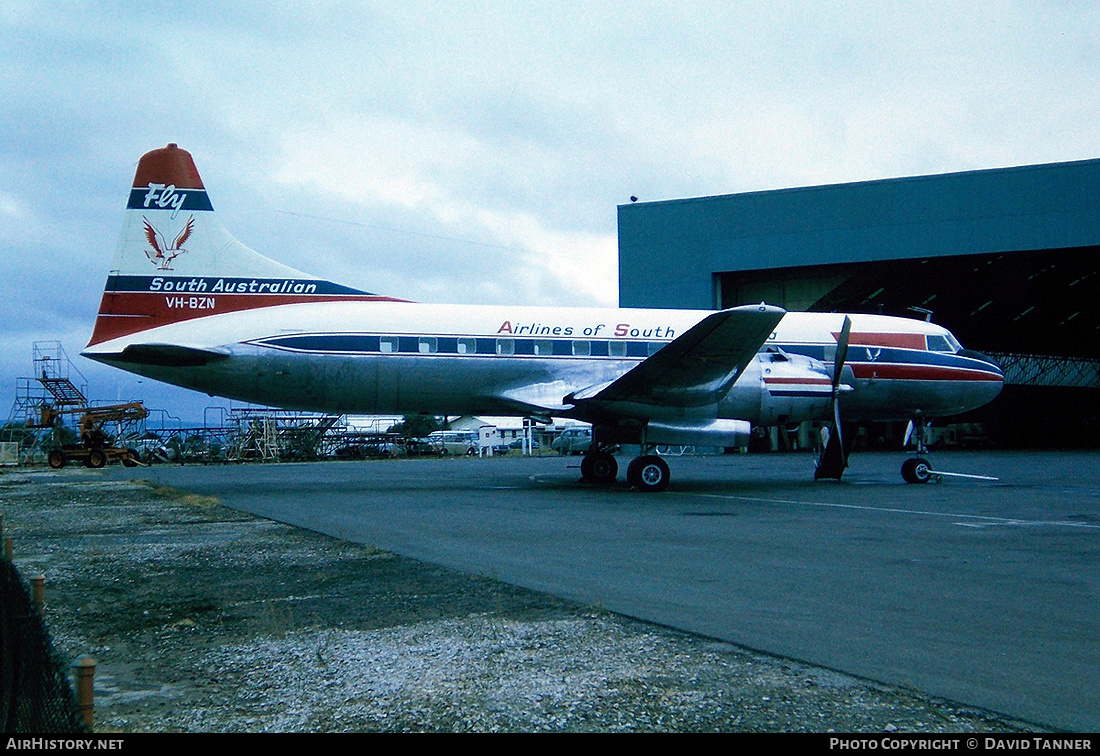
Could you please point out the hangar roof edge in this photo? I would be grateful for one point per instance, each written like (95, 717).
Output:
(867, 182)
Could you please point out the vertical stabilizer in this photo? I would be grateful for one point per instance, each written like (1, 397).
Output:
(175, 261)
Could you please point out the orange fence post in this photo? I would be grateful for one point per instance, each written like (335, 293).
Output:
(85, 695)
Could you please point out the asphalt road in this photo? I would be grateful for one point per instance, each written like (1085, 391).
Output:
(977, 591)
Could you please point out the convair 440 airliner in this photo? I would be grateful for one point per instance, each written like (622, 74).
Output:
(187, 304)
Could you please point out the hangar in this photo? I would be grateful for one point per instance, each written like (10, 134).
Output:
(1008, 259)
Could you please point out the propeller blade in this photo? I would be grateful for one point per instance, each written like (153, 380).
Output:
(836, 421)
(838, 369)
(841, 353)
(833, 458)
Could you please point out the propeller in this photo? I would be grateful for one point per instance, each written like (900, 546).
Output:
(833, 459)
(838, 367)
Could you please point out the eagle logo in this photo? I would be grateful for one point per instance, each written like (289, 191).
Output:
(162, 254)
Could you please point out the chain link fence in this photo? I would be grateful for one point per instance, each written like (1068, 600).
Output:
(35, 695)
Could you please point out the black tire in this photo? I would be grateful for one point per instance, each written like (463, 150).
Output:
(599, 468)
(649, 473)
(96, 459)
(57, 459)
(916, 470)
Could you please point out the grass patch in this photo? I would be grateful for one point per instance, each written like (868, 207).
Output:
(183, 497)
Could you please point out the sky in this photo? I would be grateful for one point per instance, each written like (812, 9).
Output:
(476, 152)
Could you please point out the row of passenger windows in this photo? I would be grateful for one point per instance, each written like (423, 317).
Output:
(468, 345)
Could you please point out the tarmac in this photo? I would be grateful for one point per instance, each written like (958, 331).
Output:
(978, 591)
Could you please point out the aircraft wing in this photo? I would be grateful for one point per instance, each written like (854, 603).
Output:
(698, 367)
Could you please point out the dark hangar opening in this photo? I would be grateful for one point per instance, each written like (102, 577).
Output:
(1041, 302)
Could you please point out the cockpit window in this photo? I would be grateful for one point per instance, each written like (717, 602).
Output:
(943, 344)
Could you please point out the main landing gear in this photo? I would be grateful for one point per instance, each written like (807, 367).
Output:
(599, 467)
(648, 473)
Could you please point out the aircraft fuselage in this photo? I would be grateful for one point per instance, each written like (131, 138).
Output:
(398, 357)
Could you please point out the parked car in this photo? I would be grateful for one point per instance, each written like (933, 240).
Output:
(573, 441)
(368, 449)
(383, 449)
(422, 447)
(456, 442)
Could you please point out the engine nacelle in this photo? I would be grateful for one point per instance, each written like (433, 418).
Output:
(777, 387)
(709, 433)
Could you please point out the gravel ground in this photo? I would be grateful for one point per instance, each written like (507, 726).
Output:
(203, 619)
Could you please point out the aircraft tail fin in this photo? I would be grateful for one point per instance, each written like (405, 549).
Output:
(175, 261)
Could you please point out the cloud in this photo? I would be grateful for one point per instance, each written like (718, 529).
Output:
(477, 151)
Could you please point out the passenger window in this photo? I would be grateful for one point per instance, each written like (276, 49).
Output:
(506, 346)
(387, 344)
(544, 348)
(582, 348)
(617, 349)
(428, 345)
(467, 346)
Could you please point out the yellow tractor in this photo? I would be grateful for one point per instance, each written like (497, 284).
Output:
(96, 447)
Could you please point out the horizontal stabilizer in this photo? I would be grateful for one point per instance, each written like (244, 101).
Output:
(166, 355)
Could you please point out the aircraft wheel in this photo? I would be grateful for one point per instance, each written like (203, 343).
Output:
(600, 468)
(648, 473)
(56, 459)
(916, 470)
(96, 459)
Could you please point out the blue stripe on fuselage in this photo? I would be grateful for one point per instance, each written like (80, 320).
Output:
(458, 345)
(870, 355)
(351, 344)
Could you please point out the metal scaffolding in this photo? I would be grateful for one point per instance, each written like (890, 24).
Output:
(1047, 370)
(43, 404)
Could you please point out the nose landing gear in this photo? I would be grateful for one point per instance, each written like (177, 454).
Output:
(918, 470)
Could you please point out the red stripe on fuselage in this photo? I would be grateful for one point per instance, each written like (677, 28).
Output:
(124, 313)
(901, 340)
(895, 372)
(800, 381)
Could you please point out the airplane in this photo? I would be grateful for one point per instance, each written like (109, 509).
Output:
(205, 312)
